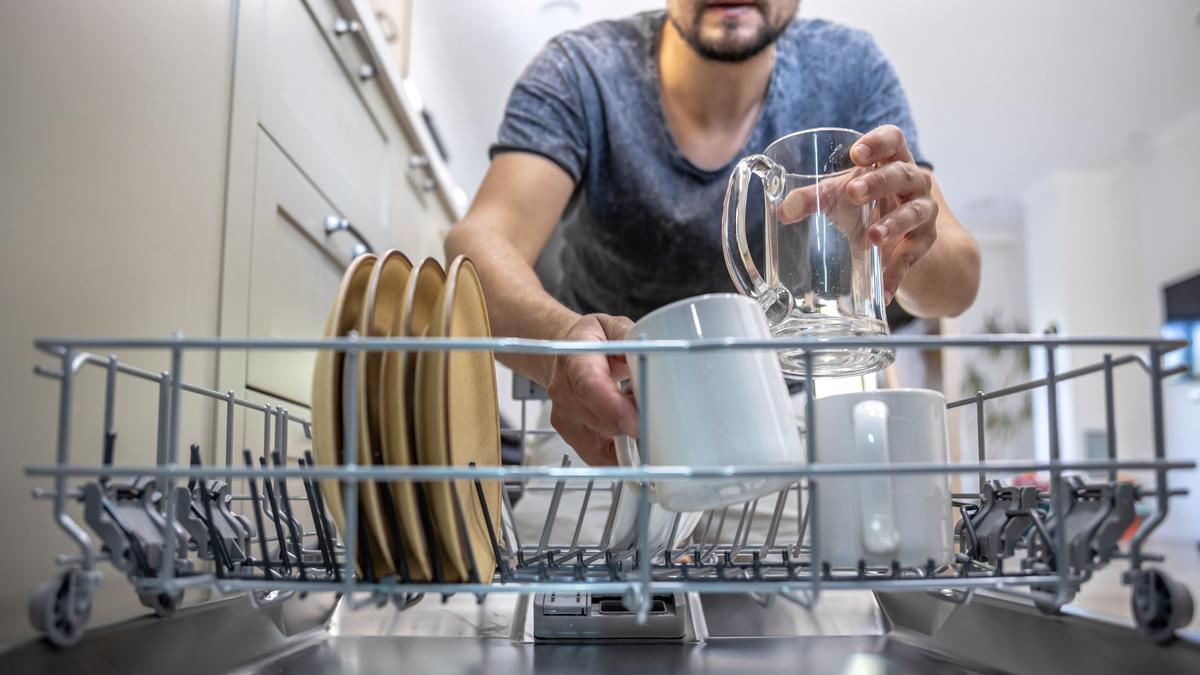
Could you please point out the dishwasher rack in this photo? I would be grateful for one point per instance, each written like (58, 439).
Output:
(229, 536)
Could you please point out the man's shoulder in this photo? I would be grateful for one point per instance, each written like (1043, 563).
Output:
(597, 40)
(823, 33)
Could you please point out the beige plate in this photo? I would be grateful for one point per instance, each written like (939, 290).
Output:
(458, 422)
(327, 381)
(385, 290)
(396, 398)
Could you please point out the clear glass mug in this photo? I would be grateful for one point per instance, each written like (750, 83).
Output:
(824, 278)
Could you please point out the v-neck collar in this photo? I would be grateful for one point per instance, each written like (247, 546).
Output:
(754, 140)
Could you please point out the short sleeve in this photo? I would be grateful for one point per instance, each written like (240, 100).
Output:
(883, 101)
(546, 114)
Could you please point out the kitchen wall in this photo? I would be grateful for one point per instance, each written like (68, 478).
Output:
(1101, 243)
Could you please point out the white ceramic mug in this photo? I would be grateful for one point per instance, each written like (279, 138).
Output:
(712, 408)
(881, 518)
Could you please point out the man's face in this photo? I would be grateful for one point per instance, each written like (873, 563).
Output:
(730, 30)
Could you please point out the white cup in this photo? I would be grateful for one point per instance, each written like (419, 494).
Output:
(712, 408)
(880, 518)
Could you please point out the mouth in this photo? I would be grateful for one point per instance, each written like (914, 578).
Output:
(731, 8)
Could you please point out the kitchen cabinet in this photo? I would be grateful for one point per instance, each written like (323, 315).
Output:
(168, 167)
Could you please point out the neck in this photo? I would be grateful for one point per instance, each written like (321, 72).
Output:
(711, 93)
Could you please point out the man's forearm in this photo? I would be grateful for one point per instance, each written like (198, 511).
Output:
(518, 305)
(945, 280)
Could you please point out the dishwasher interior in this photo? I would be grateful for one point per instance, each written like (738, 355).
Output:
(741, 591)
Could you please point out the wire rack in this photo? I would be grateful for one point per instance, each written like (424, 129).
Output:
(256, 524)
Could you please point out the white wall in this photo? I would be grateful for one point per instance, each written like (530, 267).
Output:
(1002, 292)
(1100, 245)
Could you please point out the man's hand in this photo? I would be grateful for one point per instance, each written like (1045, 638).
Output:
(905, 226)
(588, 408)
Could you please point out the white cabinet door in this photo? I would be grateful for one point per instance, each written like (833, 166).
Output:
(295, 272)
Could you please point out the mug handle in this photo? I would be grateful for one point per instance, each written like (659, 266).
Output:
(775, 301)
(876, 502)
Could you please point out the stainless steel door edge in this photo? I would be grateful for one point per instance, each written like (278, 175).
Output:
(1015, 636)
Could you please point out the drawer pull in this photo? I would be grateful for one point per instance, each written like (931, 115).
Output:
(418, 161)
(366, 71)
(341, 26)
(338, 224)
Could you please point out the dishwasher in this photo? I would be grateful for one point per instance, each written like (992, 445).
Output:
(251, 538)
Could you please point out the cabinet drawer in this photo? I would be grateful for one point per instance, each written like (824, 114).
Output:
(295, 271)
(317, 109)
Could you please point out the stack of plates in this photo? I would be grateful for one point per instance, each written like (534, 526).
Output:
(432, 407)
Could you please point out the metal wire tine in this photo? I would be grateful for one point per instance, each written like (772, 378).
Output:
(292, 529)
(587, 495)
(810, 431)
(487, 521)
(110, 401)
(668, 553)
(258, 517)
(266, 444)
(739, 544)
(717, 534)
(164, 396)
(776, 516)
(980, 437)
(553, 510)
(800, 517)
(167, 571)
(737, 534)
(349, 458)
(511, 524)
(1110, 424)
(704, 532)
(230, 407)
(606, 535)
(274, 513)
(220, 556)
(1057, 505)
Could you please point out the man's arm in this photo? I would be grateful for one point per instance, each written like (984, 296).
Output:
(945, 280)
(514, 213)
(510, 220)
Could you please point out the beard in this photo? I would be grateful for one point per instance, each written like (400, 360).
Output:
(728, 46)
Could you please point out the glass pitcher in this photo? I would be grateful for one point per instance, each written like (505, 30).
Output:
(824, 277)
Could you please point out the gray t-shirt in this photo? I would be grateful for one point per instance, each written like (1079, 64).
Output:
(643, 226)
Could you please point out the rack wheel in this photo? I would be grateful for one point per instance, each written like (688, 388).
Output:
(163, 603)
(60, 608)
(1160, 605)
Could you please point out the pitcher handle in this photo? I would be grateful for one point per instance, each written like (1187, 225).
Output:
(776, 302)
(876, 502)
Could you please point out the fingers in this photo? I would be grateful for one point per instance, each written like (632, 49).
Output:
(592, 448)
(798, 204)
(902, 258)
(906, 218)
(883, 144)
(894, 179)
(592, 384)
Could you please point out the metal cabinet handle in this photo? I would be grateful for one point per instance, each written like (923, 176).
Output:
(418, 161)
(342, 26)
(339, 224)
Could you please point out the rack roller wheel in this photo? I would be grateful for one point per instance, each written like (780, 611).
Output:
(163, 603)
(1160, 605)
(60, 608)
